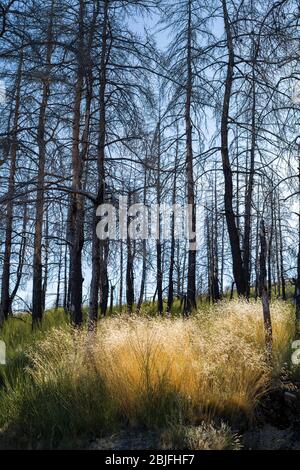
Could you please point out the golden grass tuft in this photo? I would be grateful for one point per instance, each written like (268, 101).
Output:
(154, 371)
(215, 362)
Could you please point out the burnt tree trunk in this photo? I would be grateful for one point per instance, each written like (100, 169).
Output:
(121, 275)
(111, 307)
(234, 237)
(37, 288)
(270, 247)
(191, 275)
(21, 260)
(104, 283)
(159, 273)
(144, 256)
(172, 248)
(215, 254)
(250, 182)
(264, 291)
(100, 197)
(76, 278)
(129, 275)
(297, 286)
(46, 260)
(5, 284)
(57, 301)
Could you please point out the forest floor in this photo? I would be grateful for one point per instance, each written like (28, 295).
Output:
(146, 382)
(277, 427)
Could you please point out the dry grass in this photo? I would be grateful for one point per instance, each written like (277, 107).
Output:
(151, 371)
(214, 362)
(203, 437)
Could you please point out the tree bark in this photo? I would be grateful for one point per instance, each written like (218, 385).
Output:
(264, 292)
(297, 286)
(5, 285)
(144, 255)
(172, 248)
(96, 243)
(104, 283)
(37, 292)
(77, 204)
(237, 261)
(121, 275)
(191, 281)
(159, 273)
(250, 182)
(22, 253)
(46, 261)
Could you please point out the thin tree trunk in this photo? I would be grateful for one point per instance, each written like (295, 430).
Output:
(129, 277)
(95, 281)
(111, 308)
(277, 261)
(22, 253)
(178, 273)
(172, 248)
(250, 182)
(37, 289)
(297, 286)
(281, 255)
(129, 268)
(159, 273)
(216, 287)
(257, 292)
(238, 268)
(264, 292)
(270, 246)
(104, 283)
(191, 276)
(46, 261)
(5, 284)
(144, 256)
(66, 277)
(57, 301)
(76, 278)
(209, 261)
(222, 257)
(121, 275)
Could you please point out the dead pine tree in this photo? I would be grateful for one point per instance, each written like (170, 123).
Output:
(101, 185)
(191, 274)
(297, 287)
(41, 136)
(264, 291)
(130, 266)
(239, 273)
(5, 304)
(159, 269)
(172, 248)
(144, 253)
(297, 282)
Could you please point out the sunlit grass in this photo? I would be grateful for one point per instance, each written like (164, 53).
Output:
(141, 371)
